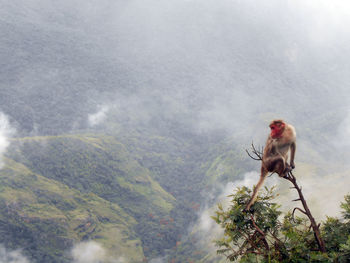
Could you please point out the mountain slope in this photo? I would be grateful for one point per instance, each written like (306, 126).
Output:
(98, 164)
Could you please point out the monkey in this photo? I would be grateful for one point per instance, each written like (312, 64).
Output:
(281, 139)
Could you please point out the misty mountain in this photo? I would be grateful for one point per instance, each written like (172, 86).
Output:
(198, 64)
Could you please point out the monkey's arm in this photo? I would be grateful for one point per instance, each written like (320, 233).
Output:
(293, 147)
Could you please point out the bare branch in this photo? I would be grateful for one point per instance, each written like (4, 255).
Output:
(297, 208)
(249, 239)
(275, 237)
(261, 232)
(257, 153)
(256, 159)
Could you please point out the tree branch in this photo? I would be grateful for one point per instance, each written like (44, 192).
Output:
(257, 153)
(297, 208)
(315, 227)
(262, 234)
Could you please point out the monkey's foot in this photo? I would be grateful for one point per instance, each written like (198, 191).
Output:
(286, 171)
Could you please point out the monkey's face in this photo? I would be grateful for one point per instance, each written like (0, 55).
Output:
(277, 129)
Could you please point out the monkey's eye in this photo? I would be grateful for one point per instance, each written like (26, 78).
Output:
(272, 128)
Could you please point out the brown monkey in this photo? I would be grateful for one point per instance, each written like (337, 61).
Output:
(275, 156)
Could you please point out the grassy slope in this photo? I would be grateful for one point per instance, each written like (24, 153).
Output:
(98, 164)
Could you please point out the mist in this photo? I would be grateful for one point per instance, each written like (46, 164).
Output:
(207, 64)
(6, 131)
(99, 116)
(88, 252)
(12, 256)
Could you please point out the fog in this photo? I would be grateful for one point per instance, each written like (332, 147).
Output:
(6, 131)
(12, 256)
(88, 252)
(99, 116)
(93, 252)
(209, 64)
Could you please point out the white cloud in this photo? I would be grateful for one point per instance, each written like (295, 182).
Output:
(342, 138)
(159, 260)
(99, 116)
(5, 132)
(88, 252)
(14, 256)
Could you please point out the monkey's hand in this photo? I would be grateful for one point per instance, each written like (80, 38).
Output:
(292, 165)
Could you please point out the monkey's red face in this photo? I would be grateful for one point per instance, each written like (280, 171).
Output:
(277, 130)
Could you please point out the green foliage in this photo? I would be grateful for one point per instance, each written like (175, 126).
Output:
(336, 233)
(345, 248)
(263, 234)
(242, 230)
(346, 207)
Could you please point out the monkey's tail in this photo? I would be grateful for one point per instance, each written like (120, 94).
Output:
(255, 192)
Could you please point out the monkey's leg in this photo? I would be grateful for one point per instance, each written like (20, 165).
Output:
(257, 187)
(278, 165)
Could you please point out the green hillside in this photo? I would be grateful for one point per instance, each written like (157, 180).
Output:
(97, 164)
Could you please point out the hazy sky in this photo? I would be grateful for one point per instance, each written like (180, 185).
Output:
(214, 64)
